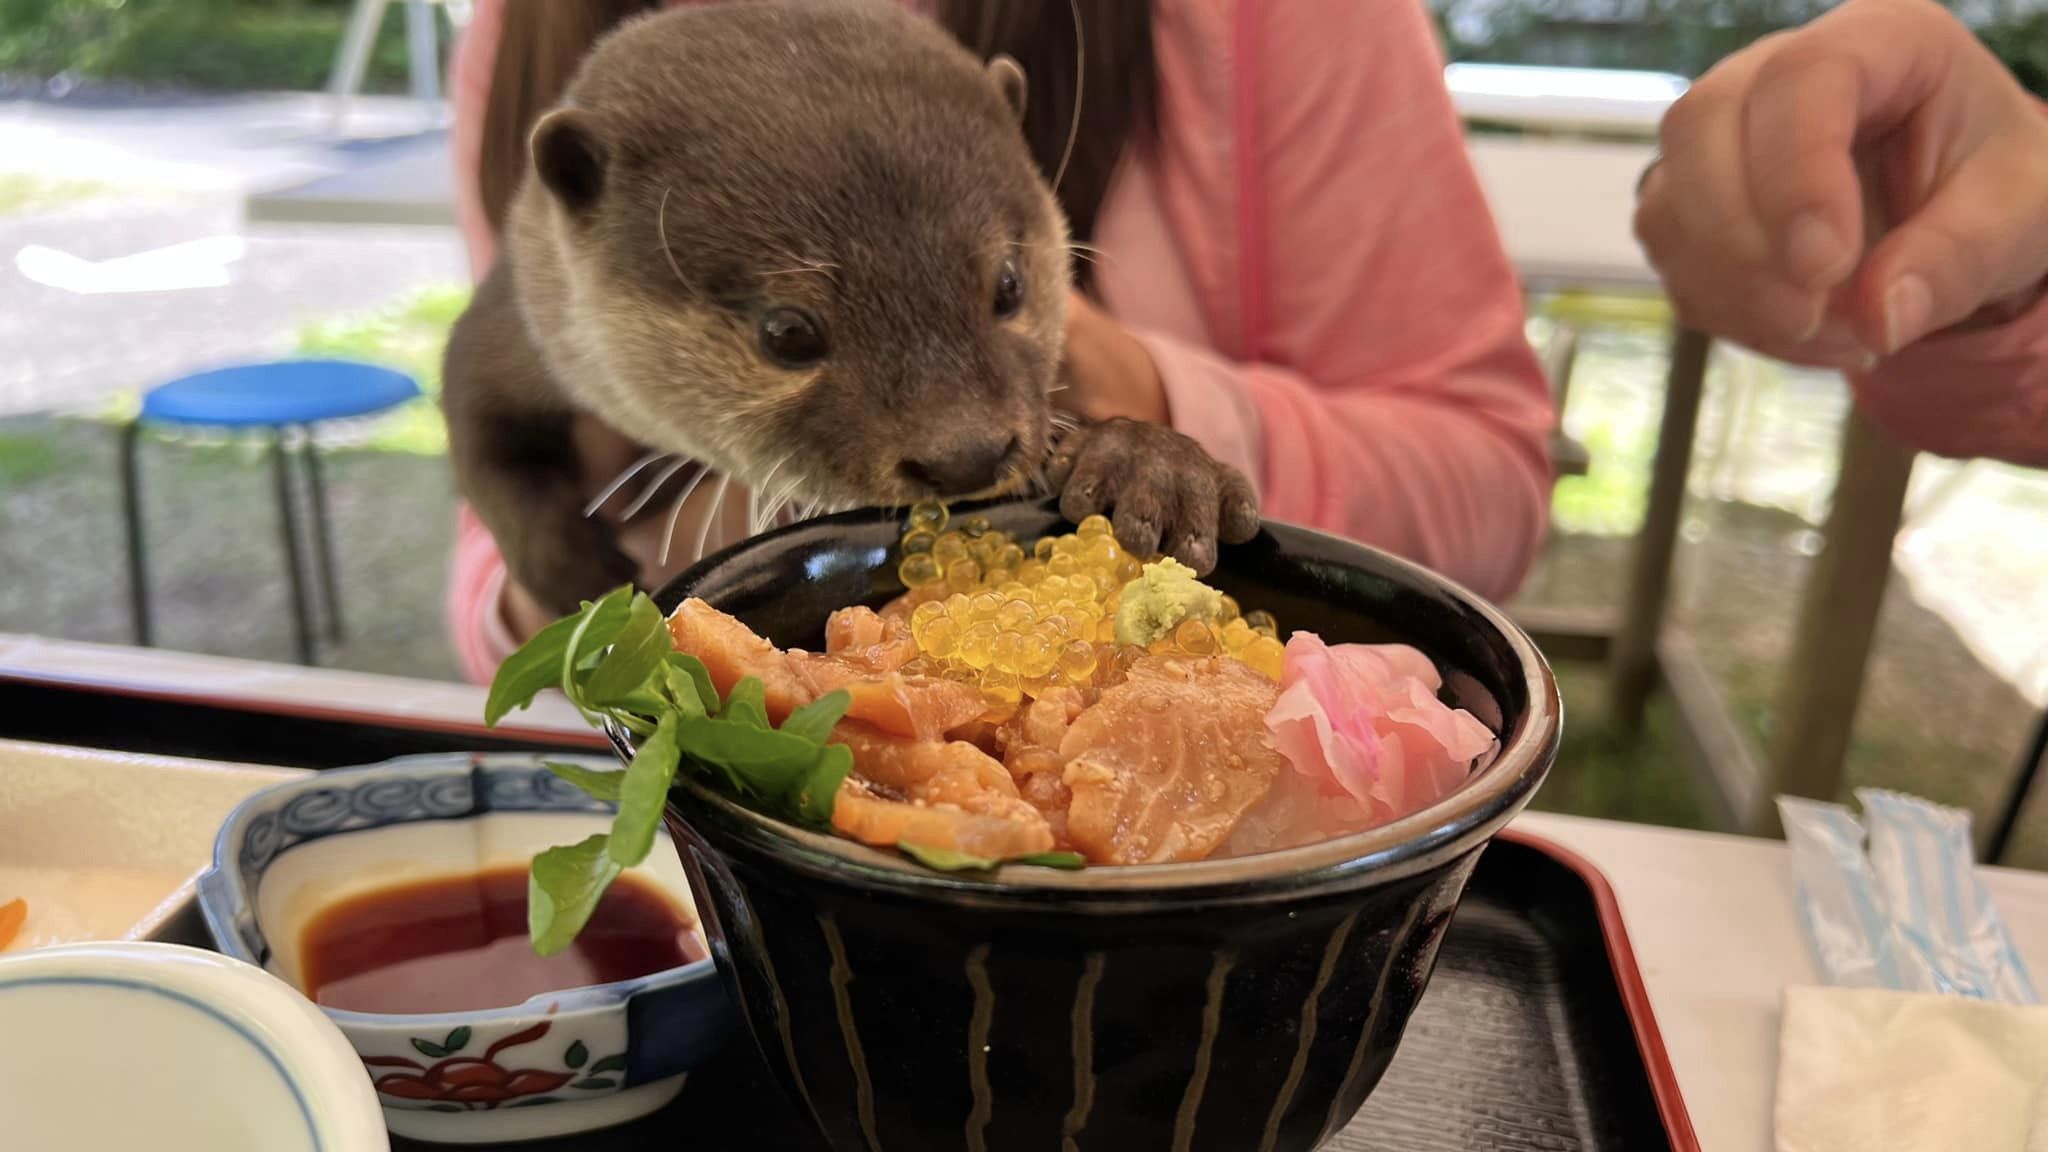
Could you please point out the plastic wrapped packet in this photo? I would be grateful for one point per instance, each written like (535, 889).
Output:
(1847, 924)
(1942, 915)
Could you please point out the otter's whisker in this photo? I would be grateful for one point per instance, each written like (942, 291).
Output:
(711, 516)
(668, 535)
(785, 500)
(648, 493)
(661, 227)
(759, 513)
(619, 481)
(1080, 86)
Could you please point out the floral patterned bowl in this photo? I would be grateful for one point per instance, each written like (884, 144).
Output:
(561, 1062)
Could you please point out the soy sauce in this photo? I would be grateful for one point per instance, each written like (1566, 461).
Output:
(459, 943)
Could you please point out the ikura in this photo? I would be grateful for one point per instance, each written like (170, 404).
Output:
(1018, 620)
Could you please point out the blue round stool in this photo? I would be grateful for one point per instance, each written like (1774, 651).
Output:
(281, 395)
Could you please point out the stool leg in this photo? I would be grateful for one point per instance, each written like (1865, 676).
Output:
(323, 539)
(288, 524)
(131, 518)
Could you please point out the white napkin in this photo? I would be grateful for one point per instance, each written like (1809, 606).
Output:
(1872, 1070)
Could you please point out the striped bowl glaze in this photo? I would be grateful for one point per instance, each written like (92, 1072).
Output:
(1243, 1005)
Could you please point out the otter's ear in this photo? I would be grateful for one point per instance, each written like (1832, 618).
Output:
(1009, 78)
(570, 157)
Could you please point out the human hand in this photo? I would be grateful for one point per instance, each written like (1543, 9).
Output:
(1834, 193)
(1107, 371)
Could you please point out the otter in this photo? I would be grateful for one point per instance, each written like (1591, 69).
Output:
(802, 239)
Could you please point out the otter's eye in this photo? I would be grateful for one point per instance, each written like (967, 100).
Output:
(792, 337)
(1009, 290)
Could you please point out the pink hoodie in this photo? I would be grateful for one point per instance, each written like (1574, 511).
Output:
(1306, 253)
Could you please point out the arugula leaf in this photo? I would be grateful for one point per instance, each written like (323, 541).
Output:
(1067, 861)
(814, 721)
(635, 655)
(563, 889)
(811, 802)
(644, 794)
(598, 625)
(533, 669)
(598, 783)
(767, 763)
(689, 684)
(945, 859)
(747, 704)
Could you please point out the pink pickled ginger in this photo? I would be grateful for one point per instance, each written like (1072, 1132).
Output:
(1367, 739)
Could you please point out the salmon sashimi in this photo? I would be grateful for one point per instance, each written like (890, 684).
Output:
(1164, 765)
(872, 641)
(1030, 744)
(731, 652)
(861, 812)
(953, 772)
(1031, 741)
(921, 707)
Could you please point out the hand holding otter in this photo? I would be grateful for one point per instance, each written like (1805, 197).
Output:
(1166, 492)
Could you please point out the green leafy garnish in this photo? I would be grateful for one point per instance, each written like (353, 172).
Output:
(600, 783)
(1065, 861)
(562, 891)
(745, 705)
(635, 654)
(537, 665)
(947, 860)
(644, 794)
(688, 683)
(814, 721)
(615, 661)
(812, 800)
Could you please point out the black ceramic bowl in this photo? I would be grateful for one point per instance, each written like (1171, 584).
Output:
(1241, 1005)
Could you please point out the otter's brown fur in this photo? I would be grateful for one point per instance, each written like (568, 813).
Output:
(713, 168)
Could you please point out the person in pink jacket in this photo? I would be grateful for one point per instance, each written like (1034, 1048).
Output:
(1293, 264)
(1870, 192)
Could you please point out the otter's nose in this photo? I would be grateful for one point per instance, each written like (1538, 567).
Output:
(959, 467)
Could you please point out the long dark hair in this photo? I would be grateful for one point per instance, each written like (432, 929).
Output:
(1117, 81)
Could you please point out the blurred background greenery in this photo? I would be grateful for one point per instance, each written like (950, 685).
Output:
(1688, 36)
(289, 44)
(208, 44)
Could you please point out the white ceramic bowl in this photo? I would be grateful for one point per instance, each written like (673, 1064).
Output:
(561, 1062)
(172, 1049)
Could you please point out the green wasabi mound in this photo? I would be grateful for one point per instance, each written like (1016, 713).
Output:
(1164, 594)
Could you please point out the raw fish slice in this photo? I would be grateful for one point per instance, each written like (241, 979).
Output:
(1165, 764)
(864, 815)
(731, 653)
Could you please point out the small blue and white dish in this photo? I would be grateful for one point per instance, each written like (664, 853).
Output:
(558, 1063)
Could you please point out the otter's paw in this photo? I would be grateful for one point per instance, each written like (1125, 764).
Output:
(1163, 492)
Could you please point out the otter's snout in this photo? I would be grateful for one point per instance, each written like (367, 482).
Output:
(957, 468)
